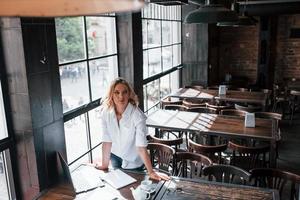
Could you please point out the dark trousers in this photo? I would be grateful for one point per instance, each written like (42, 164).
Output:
(116, 162)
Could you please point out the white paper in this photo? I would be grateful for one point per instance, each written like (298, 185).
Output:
(118, 179)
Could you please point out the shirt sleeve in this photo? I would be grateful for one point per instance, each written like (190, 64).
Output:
(104, 135)
(141, 130)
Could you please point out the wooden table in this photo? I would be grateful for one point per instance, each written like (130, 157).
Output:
(182, 188)
(231, 96)
(212, 124)
(64, 191)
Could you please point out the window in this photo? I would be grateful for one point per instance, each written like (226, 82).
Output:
(161, 51)
(87, 54)
(6, 177)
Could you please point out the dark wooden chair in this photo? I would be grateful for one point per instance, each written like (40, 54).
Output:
(218, 107)
(247, 157)
(162, 155)
(294, 102)
(227, 174)
(248, 108)
(285, 182)
(196, 87)
(175, 107)
(280, 98)
(193, 103)
(175, 143)
(213, 152)
(202, 110)
(170, 101)
(233, 112)
(277, 117)
(190, 164)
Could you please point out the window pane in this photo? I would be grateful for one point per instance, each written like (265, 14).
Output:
(167, 57)
(4, 191)
(165, 87)
(153, 93)
(76, 137)
(154, 61)
(176, 32)
(101, 32)
(95, 126)
(74, 85)
(145, 65)
(3, 127)
(166, 32)
(70, 39)
(145, 34)
(176, 55)
(102, 72)
(154, 33)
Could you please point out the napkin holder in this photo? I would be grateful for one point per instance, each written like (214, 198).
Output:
(249, 120)
(222, 90)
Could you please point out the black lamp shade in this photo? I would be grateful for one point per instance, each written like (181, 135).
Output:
(212, 13)
(242, 21)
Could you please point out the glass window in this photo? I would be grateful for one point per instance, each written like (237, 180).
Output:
(162, 50)
(3, 126)
(4, 194)
(88, 62)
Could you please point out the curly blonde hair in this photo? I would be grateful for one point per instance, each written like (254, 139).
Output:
(133, 98)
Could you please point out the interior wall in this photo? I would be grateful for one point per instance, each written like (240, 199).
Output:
(238, 52)
(288, 49)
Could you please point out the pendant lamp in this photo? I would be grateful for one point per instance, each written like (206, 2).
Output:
(58, 8)
(211, 13)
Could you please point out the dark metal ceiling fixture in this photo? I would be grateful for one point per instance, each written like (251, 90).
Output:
(211, 13)
(242, 21)
(57, 8)
(169, 2)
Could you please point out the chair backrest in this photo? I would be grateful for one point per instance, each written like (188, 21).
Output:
(162, 154)
(277, 179)
(193, 103)
(248, 157)
(175, 107)
(248, 108)
(190, 164)
(196, 87)
(201, 109)
(170, 101)
(208, 150)
(175, 143)
(233, 112)
(218, 107)
(227, 174)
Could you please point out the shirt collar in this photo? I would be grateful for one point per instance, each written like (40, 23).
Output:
(128, 111)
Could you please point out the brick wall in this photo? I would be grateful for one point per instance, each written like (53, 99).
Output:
(238, 52)
(287, 64)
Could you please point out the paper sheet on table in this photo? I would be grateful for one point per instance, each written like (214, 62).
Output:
(118, 179)
(105, 193)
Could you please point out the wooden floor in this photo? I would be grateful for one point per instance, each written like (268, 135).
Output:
(289, 148)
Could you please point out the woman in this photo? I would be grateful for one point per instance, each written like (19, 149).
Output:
(123, 131)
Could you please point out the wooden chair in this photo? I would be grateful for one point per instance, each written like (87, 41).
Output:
(170, 101)
(196, 87)
(189, 103)
(227, 174)
(202, 110)
(162, 155)
(285, 182)
(175, 107)
(218, 107)
(175, 143)
(247, 157)
(277, 117)
(294, 102)
(213, 152)
(190, 164)
(248, 108)
(279, 98)
(233, 112)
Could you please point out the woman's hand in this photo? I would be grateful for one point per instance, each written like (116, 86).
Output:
(158, 176)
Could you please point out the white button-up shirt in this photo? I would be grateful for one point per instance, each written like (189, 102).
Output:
(126, 136)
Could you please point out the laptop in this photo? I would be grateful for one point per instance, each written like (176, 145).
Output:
(83, 179)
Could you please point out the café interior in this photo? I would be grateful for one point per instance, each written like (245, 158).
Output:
(219, 82)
